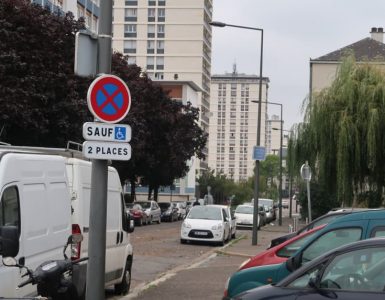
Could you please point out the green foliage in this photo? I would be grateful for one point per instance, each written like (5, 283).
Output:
(343, 133)
(321, 200)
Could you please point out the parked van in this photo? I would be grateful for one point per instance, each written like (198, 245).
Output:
(46, 192)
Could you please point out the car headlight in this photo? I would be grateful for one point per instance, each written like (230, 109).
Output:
(186, 225)
(217, 227)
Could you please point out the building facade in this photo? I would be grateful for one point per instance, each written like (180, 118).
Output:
(170, 40)
(88, 9)
(233, 123)
(323, 70)
(273, 134)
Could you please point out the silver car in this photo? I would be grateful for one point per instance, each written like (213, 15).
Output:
(152, 210)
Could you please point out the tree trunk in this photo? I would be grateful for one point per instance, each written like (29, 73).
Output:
(133, 194)
(150, 188)
(156, 190)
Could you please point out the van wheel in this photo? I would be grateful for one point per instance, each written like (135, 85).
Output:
(124, 287)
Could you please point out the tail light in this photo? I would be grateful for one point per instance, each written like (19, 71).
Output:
(77, 238)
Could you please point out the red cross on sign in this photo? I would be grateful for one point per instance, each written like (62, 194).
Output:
(109, 98)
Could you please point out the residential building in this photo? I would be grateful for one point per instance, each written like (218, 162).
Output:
(170, 40)
(234, 122)
(273, 135)
(88, 9)
(323, 70)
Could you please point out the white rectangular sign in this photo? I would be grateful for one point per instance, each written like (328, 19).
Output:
(106, 150)
(93, 131)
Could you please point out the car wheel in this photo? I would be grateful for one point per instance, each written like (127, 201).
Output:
(140, 222)
(233, 236)
(124, 287)
(183, 241)
(159, 221)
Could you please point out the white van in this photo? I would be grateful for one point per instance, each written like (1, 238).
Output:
(65, 209)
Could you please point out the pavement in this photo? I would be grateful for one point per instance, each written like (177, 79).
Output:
(205, 276)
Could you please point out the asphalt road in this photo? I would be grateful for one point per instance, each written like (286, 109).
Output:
(165, 269)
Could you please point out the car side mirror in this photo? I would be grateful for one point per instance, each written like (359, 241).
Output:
(129, 225)
(9, 241)
(294, 262)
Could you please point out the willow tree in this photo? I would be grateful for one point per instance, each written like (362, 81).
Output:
(343, 134)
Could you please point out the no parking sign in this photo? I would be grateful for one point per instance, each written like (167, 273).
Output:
(109, 98)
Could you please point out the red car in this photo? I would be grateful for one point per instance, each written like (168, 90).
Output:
(281, 252)
(138, 213)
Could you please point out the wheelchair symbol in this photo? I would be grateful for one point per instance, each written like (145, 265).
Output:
(120, 133)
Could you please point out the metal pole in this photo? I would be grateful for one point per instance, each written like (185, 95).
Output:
(280, 173)
(256, 183)
(308, 200)
(99, 178)
(290, 196)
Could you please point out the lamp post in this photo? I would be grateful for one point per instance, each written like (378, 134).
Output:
(280, 164)
(256, 182)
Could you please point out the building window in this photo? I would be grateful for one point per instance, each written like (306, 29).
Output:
(131, 60)
(150, 47)
(129, 46)
(160, 30)
(161, 14)
(130, 14)
(161, 2)
(151, 15)
(150, 63)
(151, 31)
(160, 47)
(160, 63)
(159, 75)
(129, 30)
(131, 3)
(151, 2)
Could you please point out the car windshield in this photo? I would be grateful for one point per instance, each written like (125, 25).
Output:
(244, 210)
(145, 204)
(265, 202)
(205, 212)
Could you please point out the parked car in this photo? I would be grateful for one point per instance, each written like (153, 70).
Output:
(232, 220)
(271, 211)
(341, 231)
(138, 213)
(281, 252)
(353, 271)
(262, 216)
(152, 210)
(206, 223)
(327, 218)
(181, 208)
(285, 203)
(244, 216)
(169, 211)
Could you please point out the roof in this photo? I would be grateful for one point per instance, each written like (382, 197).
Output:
(366, 49)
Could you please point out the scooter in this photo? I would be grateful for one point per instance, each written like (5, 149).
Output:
(52, 277)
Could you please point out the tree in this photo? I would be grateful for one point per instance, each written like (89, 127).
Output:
(343, 133)
(42, 101)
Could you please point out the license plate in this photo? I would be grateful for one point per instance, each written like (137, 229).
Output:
(200, 233)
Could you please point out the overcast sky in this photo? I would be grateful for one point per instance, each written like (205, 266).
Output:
(294, 32)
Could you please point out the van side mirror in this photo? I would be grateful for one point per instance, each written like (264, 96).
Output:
(9, 241)
(128, 223)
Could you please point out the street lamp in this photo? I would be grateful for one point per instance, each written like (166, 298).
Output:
(256, 182)
(280, 164)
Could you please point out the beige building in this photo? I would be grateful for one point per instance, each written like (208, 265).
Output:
(233, 123)
(323, 69)
(273, 135)
(170, 40)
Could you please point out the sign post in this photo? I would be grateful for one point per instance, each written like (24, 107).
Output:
(109, 100)
(306, 175)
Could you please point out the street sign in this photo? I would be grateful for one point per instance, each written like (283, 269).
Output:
(106, 150)
(93, 131)
(109, 98)
(305, 172)
(259, 153)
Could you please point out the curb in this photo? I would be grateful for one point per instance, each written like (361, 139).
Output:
(171, 273)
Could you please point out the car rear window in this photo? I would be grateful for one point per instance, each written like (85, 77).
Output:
(244, 210)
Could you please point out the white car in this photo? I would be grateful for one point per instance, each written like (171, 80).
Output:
(244, 216)
(207, 223)
(181, 206)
